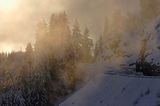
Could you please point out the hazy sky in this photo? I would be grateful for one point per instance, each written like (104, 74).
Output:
(18, 22)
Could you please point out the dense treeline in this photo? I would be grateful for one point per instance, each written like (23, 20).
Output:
(46, 71)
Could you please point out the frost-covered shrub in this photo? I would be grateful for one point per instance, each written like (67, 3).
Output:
(35, 92)
(13, 97)
(27, 90)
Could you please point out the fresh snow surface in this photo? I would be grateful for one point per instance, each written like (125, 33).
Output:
(118, 89)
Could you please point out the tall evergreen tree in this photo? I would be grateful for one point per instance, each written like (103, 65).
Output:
(87, 45)
(59, 31)
(41, 36)
(99, 48)
(53, 61)
(29, 48)
(29, 55)
(77, 36)
(77, 40)
(114, 31)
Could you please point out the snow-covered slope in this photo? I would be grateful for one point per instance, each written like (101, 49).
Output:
(118, 90)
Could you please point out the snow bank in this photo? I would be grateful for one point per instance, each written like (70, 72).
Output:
(118, 90)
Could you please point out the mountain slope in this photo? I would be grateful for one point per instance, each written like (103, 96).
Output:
(118, 90)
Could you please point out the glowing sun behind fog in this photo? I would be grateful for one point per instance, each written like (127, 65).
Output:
(7, 5)
(6, 47)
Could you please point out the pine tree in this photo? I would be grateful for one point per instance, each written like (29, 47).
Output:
(41, 37)
(59, 32)
(77, 36)
(29, 56)
(29, 48)
(99, 48)
(87, 45)
(69, 73)
(52, 62)
(77, 40)
(114, 30)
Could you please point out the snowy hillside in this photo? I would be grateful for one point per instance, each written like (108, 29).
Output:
(121, 89)
(118, 90)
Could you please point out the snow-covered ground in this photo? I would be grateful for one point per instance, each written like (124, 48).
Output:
(111, 89)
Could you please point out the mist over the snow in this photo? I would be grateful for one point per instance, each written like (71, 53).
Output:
(49, 49)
